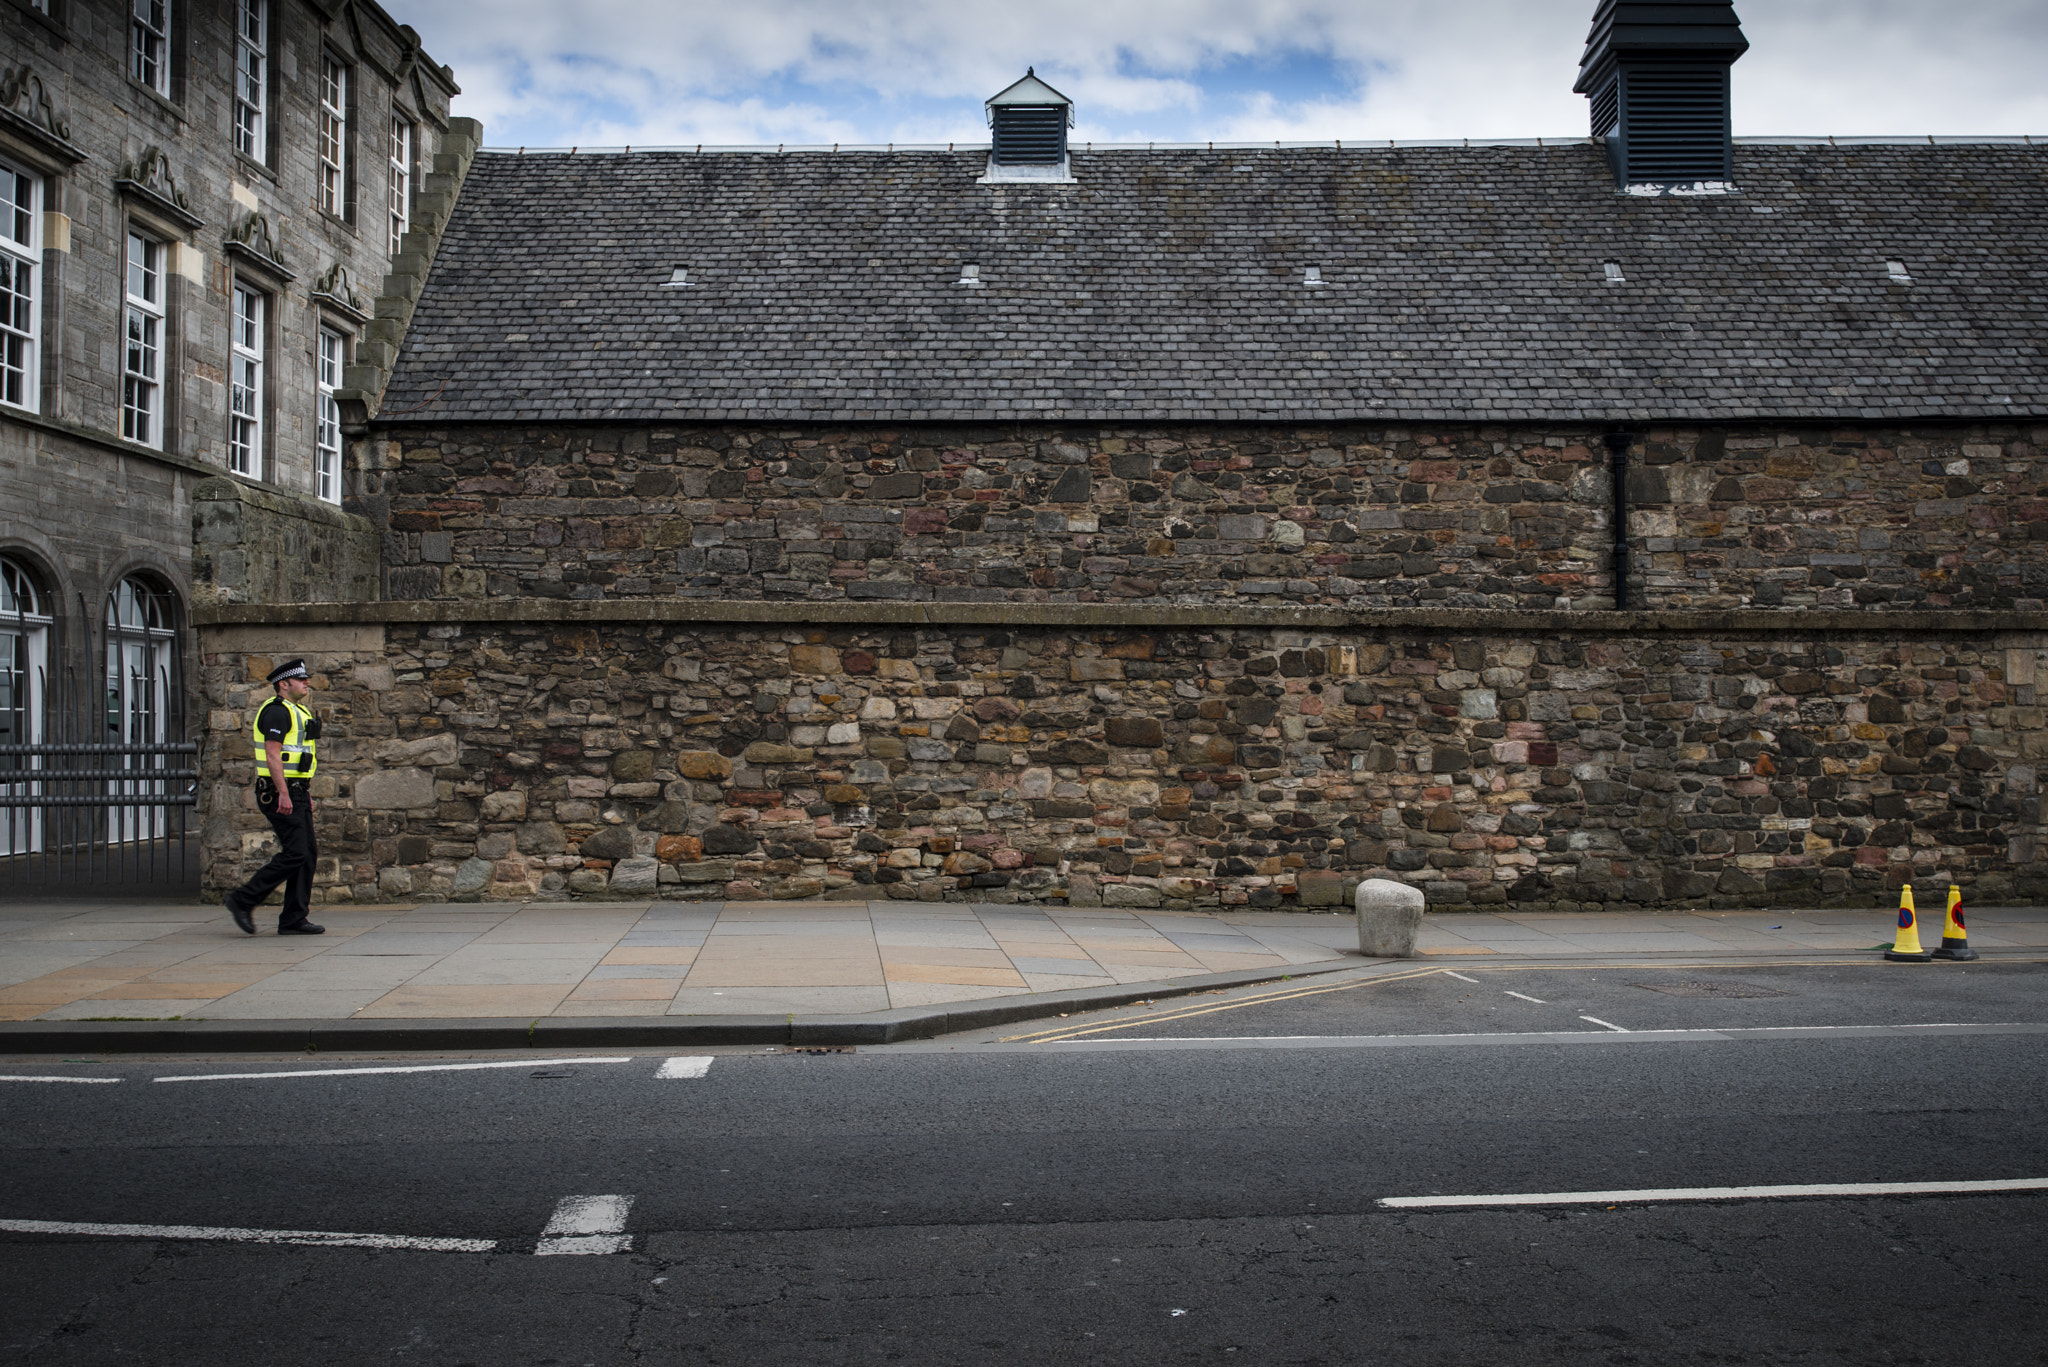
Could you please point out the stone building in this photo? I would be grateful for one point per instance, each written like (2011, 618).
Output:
(1641, 519)
(211, 215)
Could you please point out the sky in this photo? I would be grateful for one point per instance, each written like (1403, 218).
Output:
(644, 73)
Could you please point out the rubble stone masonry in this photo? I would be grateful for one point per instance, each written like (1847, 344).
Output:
(1134, 756)
(1876, 518)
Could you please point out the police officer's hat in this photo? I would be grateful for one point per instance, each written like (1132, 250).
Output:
(290, 669)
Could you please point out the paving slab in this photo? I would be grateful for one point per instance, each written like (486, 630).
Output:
(433, 972)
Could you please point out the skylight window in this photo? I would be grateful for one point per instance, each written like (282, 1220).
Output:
(1614, 275)
(677, 278)
(1897, 271)
(1313, 275)
(970, 274)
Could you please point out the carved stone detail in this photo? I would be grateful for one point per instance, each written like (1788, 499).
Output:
(253, 232)
(23, 92)
(338, 286)
(151, 173)
(337, 290)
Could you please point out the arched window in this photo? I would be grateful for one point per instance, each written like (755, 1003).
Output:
(144, 694)
(24, 686)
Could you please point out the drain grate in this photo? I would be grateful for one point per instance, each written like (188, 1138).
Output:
(1711, 990)
(816, 1049)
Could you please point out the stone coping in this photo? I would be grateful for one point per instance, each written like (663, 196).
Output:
(220, 488)
(1602, 622)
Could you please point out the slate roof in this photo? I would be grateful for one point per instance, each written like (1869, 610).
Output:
(1465, 283)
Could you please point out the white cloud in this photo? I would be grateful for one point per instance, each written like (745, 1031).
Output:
(606, 72)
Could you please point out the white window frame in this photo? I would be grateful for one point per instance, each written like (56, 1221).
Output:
(333, 145)
(21, 264)
(149, 44)
(250, 308)
(400, 198)
(252, 49)
(143, 336)
(328, 363)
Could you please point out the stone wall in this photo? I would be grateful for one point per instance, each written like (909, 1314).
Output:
(252, 545)
(1371, 517)
(1142, 757)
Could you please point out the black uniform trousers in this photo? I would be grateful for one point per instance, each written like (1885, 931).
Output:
(292, 865)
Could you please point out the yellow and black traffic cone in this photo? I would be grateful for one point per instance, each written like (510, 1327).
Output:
(1906, 948)
(1955, 937)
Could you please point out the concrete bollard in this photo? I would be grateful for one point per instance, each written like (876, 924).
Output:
(1388, 915)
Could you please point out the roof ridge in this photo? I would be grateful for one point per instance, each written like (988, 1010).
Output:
(1331, 144)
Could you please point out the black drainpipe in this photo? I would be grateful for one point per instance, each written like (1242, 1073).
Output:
(1617, 464)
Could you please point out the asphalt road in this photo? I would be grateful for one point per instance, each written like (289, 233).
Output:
(1213, 1196)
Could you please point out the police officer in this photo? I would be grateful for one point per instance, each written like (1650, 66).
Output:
(286, 736)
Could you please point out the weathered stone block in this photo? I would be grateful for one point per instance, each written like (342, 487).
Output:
(428, 751)
(1145, 732)
(810, 659)
(725, 838)
(1316, 888)
(607, 842)
(765, 752)
(1389, 914)
(704, 764)
(395, 790)
(897, 486)
(509, 805)
(635, 876)
(471, 876)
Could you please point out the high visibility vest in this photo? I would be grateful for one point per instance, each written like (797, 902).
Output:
(300, 748)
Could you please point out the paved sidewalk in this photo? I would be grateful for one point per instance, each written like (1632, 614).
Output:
(139, 960)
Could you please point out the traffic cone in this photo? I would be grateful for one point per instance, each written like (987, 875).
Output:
(1906, 948)
(1955, 937)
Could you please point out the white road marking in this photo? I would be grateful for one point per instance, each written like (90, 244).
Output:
(59, 1079)
(688, 1065)
(1459, 976)
(1575, 1198)
(405, 1068)
(1538, 1000)
(587, 1224)
(1609, 1025)
(252, 1236)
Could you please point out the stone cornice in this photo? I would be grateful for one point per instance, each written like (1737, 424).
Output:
(1791, 625)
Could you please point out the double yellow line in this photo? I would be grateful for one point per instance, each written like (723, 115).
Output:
(1186, 1012)
(1066, 1032)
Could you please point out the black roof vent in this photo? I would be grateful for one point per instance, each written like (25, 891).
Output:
(1030, 121)
(1657, 76)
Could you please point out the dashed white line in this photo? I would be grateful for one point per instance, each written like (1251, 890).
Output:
(1576, 1198)
(252, 1236)
(1459, 976)
(687, 1065)
(1538, 1000)
(587, 1224)
(25, 1078)
(406, 1068)
(1608, 1025)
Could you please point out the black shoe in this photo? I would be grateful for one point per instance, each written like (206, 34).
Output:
(244, 922)
(302, 928)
